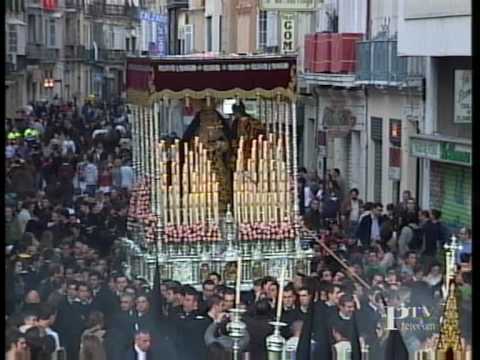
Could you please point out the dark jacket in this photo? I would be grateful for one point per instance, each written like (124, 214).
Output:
(436, 234)
(131, 354)
(259, 329)
(364, 229)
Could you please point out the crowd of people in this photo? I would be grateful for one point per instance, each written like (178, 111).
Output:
(69, 177)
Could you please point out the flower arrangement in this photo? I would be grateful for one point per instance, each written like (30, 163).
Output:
(261, 231)
(192, 233)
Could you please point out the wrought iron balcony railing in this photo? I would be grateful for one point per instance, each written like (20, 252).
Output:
(378, 63)
(41, 53)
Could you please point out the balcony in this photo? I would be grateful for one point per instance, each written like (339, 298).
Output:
(330, 59)
(378, 63)
(73, 4)
(12, 69)
(99, 9)
(333, 53)
(42, 54)
(183, 4)
(111, 56)
(76, 53)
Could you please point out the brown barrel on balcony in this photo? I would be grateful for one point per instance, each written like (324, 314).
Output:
(323, 53)
(344, 52)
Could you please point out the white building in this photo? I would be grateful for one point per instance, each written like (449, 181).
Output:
(441, 31)
(15, 61)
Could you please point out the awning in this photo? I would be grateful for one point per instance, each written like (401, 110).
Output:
(13, 21)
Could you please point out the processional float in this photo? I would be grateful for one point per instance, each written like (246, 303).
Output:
(225, 189)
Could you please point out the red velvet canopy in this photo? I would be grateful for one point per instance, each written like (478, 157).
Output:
(222, 77)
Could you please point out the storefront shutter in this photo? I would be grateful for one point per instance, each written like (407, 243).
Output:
(450, 192)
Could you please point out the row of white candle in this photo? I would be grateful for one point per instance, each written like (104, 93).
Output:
(260, 183)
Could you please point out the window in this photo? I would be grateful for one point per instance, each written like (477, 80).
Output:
(52, 41)
(12, 38)
(220, 33)
(209, 34)
(262, 30)
(31, 28)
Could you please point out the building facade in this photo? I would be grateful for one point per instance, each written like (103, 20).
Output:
(71, 49)
(15, 61)
(443, 145)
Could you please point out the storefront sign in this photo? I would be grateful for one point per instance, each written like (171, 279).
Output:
(456, 153)
(441, 151)
(289, 5)
(425, 148)
(288, 33)
(463, 97)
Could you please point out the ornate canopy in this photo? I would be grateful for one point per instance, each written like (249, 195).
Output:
(151, 79)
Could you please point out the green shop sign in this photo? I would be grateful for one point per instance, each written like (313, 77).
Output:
(441, 151)
(456, 153)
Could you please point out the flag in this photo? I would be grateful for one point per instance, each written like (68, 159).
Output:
(304, 347)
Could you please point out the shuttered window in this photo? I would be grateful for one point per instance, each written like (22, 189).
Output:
(348, 161)
(376, 128)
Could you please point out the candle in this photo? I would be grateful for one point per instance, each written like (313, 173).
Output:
(239, 281)
(215, 201)
(390, 318)
(170, 202)
(280, 294)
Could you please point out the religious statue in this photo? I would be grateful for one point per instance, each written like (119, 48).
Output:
(213, 132)
(247, 127)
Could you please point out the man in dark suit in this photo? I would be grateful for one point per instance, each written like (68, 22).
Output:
(69, 323)
(369, 228)
(289, 312)
(345, 319)
(259, 328)
(104, 299)
(141, 350)
(191, 326)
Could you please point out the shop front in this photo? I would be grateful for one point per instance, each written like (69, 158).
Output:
(450, 176)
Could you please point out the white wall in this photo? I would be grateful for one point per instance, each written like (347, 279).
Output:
(352, 16)
(384, 13)
(388, 105)
(441, 36)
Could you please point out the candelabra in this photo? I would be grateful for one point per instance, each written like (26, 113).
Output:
(276, 342)
(237, 329)
(231, 254)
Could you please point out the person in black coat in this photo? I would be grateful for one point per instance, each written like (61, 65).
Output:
(369, 228)
(69, 323)
(259, 328)
(142, 346)
(369, 317)
(345, 319)
(190, 327)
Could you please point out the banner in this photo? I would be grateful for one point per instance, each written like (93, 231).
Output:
(463, 97)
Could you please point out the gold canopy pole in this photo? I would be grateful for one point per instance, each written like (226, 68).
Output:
(151, 147)
(291, 172)
(185, 185)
